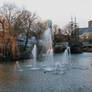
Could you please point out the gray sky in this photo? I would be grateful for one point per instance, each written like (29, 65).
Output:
(60, 11)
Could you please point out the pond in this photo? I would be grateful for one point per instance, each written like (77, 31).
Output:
(68, 76)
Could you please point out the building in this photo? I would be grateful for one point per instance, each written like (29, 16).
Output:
(85, 33)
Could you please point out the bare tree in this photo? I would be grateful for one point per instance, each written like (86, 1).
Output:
(55, 28)
(7, 41)
(71, 30)
(24, 23)
(68, 29)
(38, 28)
(9, 13)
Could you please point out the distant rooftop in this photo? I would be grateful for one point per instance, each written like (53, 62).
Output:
(83, 30)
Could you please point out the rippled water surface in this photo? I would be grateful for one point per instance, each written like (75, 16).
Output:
(68, 76)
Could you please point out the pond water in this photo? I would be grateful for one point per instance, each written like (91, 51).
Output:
(68, 76)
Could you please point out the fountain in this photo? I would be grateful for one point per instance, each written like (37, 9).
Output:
(66, 61)
(34, 53)
(48, 64)
(67, 55)
(47, 43)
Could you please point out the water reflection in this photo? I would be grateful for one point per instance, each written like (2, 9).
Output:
(18, 77)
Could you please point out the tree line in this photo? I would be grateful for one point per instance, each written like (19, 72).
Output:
(15, 22)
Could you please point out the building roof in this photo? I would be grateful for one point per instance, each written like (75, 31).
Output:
(83, 30)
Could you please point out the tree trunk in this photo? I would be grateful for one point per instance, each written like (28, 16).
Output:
(26, 42)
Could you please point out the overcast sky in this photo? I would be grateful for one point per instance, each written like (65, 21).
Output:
(60, 11)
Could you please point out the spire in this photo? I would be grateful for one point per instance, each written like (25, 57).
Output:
(71, 23)
(71, 19)
(75, 24)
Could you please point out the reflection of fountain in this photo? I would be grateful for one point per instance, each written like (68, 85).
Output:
(18, 66)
